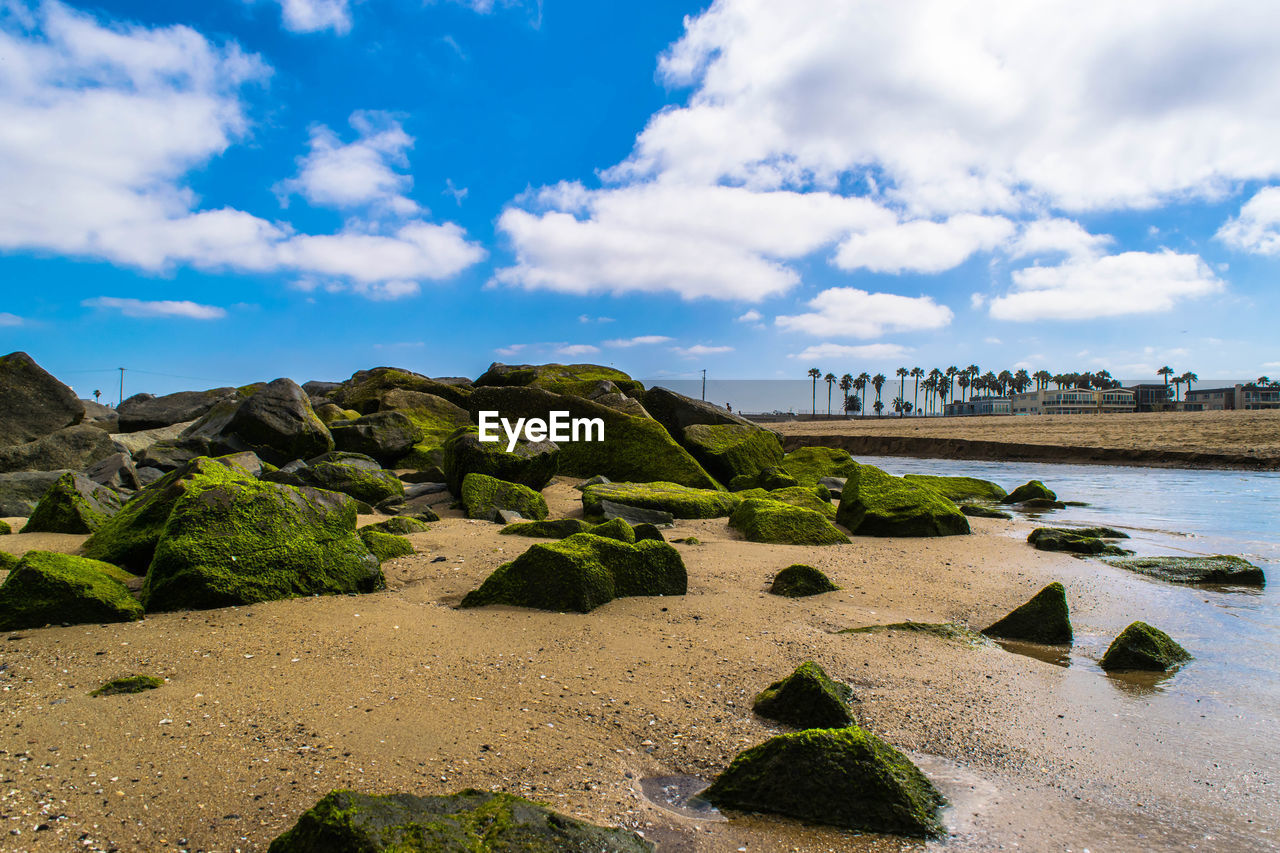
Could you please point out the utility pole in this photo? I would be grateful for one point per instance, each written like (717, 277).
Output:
(121, 386)
(704, 384)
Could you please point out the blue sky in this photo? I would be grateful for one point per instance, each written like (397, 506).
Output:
(235, 190)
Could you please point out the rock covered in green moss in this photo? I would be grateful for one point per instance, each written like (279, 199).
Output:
(399, 525)
(779, 523)
(845, 777)
(5, 529)
(645, 531)
(878, 504)
(1043, 619)
(730, 450)
(434, 416)
(46, 588)
(243, 542)
(483, 496)
(615, 528)
(816, 498)
(1073, 541)
(385, 546)
(372, 487)
(980, 511)
(799, 581)
(767, 479)
(128, 684)
(806, 699)
(275, 420)
(941, 630)
(680, 501)
(1031, 490)
(960, 488)
(386, 436)
(581, 573)
(1218, 569)
(467, 822)
(73, 504)
(530, 463)
(366, 388)
(572, 379)
(7, 561)
(1140, 646)
(808, 465)
(560, 528)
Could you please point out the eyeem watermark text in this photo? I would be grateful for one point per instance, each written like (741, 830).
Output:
(559, 427)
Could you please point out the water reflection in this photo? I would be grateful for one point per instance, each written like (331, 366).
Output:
(1139, 683)
(1056, 655)
(679, 794)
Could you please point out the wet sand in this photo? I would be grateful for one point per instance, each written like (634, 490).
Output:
(268, 707)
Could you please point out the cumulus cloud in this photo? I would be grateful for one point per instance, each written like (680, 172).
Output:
(862, 352)
(640, 340)
(700, 349)
(7, 319)
(1058, 236)
(1084, 289)
(313, 16)
(162, 308)
(577, 349)
(752, 316)
(848, 312)
(511, 350)
(359, 173)
(1257, 228)
(923, 246)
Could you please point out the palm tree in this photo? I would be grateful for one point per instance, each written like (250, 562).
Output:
(1188, 378)
(853, 404)
(1042, 378)
(1177, 388)
(936, 375)
(1264, 380)
(900, 405)
(861, 384)
(877, 382)
(1105, 380)
(814, 373)
(879, 407)
(928, 385)
(951, 373)
(974, 372)
(902, 374)
(830, 379)
(916, 373)
(1021, 381)
(963, 381)
(846, 383)
(1166, 372)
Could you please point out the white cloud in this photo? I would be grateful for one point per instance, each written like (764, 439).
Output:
(7, 319)
(577, 349)
(313, 16)
(1085, 289)
(587, 318)
(1058, 236)
(1271, 364)
(641, 340)
(700, 349)
(863, 352)
(847, 312)
(163, 308)
(509, 351)
(752, 316)
(992, 341)
(923, 246)
(1257, 228)
(359, 173)
(416, 250)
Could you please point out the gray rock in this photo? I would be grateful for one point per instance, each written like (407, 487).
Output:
(292, 467)
(386, 436)
(33, 403)
(676, 412)
(597, 480)
(509, 516)
(74, 504)
(342, 457)
(75, 447)
(635, 515)
(316, 388)
(167, 455)
(117, 471)
(147, 476)
(21, 491)
(134, 443)
(276, 421)
(417, 490)
(147, 411)
(835, 485)
(103, 417)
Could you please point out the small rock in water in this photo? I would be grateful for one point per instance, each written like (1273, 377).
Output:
(1043, 619)
(1143, 647)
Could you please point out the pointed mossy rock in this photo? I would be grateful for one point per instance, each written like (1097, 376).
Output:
(46, 588)
(960, 488)
(845, 777)
(128, 684)
(1142, 647)
(467, 822)
(800, 581)
(400, 525)
(634, 449)
(530, 463)
(574, 379)
(385, 546)
(5, 529)
(8, 561)
(244, 542)
(778, 523)
(731, 450)
(680, 501)
(482, 496)
(581, 573)
(806, 699)
(559, 528)
(1218, 569)
(1044, 619)
(874, 503)
(1031, 490)
(808, 465)
(647, 531)
(616, 528)
(1073, 541)
(73, 504)
(128, 539)
(816, 498)
(980, 511)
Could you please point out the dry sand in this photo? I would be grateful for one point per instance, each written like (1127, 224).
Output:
(268, 707)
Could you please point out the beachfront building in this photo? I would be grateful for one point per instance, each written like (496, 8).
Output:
(981, 405)
(1073, 401)
(1250, 396)
(1152, 397)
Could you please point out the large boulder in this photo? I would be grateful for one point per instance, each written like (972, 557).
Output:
(46, 588)
(73, 504)
(1218, 569)
(128, 539)
(960, 488)
(844, 777)
(32, 402)
(74, 447)
(559, 528)
(732, 450)
(147, 411)
(244, 541)
(677, 412)
(365, 388)
(1140, 646)
(435, 417)
(778, 523)
(134, 443)
(274, 420)
(1043, 619)
(484, 497)
(806, 699)
(680, 501)
(117, 471)
(20, 491)
(801, 581)
(580, 380)
(529, 463)
(350, 822)
(816, 498)
(1033, 490)
(634, 449)
(370, 485)
(385, 546)
(581, 573)
(1077, 540)
(386, 436)
(808, 465)
(103, 417)
(878, 504)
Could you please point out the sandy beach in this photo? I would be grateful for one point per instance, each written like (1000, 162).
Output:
(268, 707)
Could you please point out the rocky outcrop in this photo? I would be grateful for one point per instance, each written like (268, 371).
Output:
(147, 411)
(730, 450)
(801, 581)
(365, 389)
(46, 588)
(73, 504)
(74, 448)
(33, 403)
(1043, 619)
(275, 421)
(778, 523)
(579, 380)
(877, 504)
(806, 699)
(20, 491)
(436, 418)
(1142, 647)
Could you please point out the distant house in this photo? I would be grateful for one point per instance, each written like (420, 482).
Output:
(1073, 401)
(1153, 397)
(1250, 396)
(980, 405)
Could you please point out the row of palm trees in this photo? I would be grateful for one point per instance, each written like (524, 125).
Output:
(940, 385)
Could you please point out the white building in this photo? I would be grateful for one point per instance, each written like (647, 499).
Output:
(1073, 401)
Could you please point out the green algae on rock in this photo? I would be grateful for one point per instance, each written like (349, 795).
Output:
(808, 465)
(581, 573)
(941, 630)
(1140, 646)
(845, 777)
(799, 581)
(482, 496)
(806, 699)
(128, 684)
(1218, 569)
(767, 479)
(385, 546)
(363, 484)
(5, 529)
(1075, 541)
(1043, 619)
(731, 450)
(960, 488)
(531, 464)
(1031, 490)
(559, 528)
(73, 504)
(400, 525)
(680, 501)
(7, 561)
(980, 511)
(44, 588)
(470, 821)
(574, 379)
(878, 504)
(244, 542)
(434, 416)
(364, 390)
(816, 498)
(778, 523)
